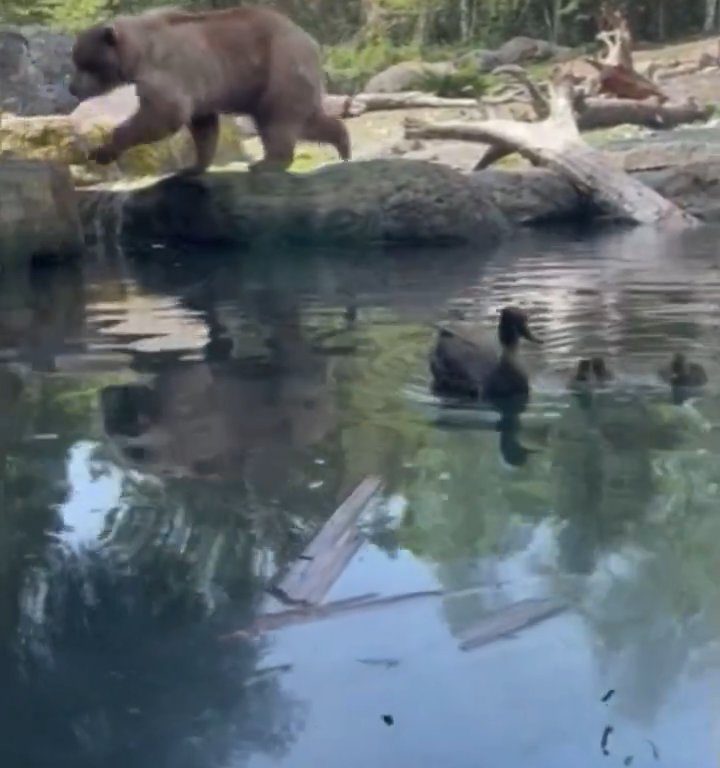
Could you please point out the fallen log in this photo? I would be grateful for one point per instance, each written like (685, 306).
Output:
(593, 113)
(377, 102)
(678, 70)
(590, 114)
(342, 106)
(359, 204)
(313, 574)
(352, 106)
(556, 144)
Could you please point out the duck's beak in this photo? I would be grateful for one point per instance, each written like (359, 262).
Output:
(526, 333)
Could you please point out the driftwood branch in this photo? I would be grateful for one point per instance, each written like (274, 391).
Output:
(539, 102)
(615, 34)
(556, 144)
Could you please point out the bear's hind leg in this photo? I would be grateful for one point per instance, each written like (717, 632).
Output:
(323, 129)
(205, 131)
(278, 139)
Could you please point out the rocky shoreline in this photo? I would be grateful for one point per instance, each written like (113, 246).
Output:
(395, 192)
(384, 202)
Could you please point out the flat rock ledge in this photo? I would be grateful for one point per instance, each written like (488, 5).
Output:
(377, 201)
(39, 215)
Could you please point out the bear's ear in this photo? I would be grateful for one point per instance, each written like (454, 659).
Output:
(109, 36)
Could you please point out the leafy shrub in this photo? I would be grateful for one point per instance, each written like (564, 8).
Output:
(466, 81)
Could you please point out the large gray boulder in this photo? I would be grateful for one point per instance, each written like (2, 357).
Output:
(529, 195)
(38, 213)
(523, 50)
(378, 201)
(407, 76)
(35, 66)
(481, 59)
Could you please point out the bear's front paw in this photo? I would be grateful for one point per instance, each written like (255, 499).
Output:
(103, 155)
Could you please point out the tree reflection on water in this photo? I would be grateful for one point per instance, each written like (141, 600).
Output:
(222, 458)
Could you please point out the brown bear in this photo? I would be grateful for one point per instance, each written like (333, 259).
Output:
(188, 68)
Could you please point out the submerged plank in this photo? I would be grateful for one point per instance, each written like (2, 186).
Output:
(270, 622)
(304, 614)
(312, 575)
(509, 620)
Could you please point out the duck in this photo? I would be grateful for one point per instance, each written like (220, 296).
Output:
(601, 372)
(590, 372)
(681, 373)
(468, 369)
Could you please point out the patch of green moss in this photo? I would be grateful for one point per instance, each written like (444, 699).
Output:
(310, 157)
(465, 81)
(55, 139)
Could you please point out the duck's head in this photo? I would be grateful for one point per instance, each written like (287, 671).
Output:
(513, 325)
(600, 370)
(678, 364)
(583, 370)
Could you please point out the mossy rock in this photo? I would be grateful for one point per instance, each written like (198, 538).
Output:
(58, 139)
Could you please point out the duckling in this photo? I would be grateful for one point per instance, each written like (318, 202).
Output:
(681, 373)
(589, 373)
(601, 372)
(464, 368)
(583, 375)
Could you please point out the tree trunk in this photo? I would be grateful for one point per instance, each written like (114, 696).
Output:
(556, 143)
(464, 20)
(556, 21)
(661, 20)
(711, 13)
(420, 33)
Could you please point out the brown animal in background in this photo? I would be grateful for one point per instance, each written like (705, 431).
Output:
(188, 68)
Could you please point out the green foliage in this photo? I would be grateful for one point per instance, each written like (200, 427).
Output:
(350, 66)
(21, 12)
(466, 81)
(369, 35)
(77, 14)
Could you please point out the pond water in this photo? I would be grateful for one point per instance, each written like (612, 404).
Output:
(175, 427)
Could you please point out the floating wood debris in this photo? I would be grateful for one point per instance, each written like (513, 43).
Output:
(270, 622)
(509, 620)
(386, 663)
(304, 614)
(312, 575)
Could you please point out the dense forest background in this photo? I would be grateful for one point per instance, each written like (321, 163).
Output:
(422, 22)
(370, 34)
